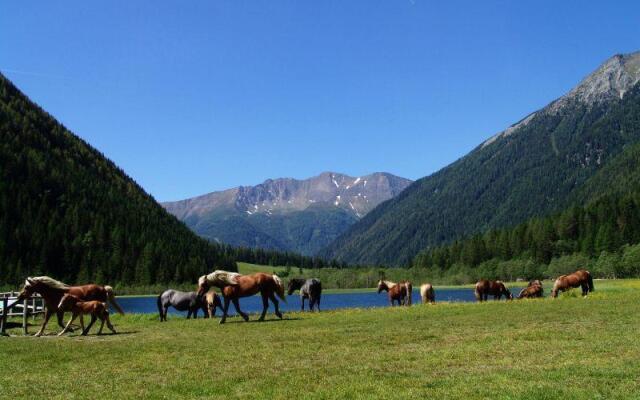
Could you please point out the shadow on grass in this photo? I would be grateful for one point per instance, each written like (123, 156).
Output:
(240, 321)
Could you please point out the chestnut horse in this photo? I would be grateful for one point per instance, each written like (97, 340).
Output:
(97, 310)
(484, 288)
(580, 278)
(400, 292)
(533, 290)
(235, 286)
(52, 291)
(427, 293)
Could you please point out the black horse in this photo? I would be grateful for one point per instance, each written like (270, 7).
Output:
(309, 289)
(181, 301)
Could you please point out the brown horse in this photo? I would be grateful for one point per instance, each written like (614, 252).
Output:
(52, 291)
(580, 278)
(235, 286)
(484, 288)
(400, 292)
(427, 293)
(533, 290)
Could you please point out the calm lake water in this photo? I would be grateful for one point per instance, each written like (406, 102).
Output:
(329, 301)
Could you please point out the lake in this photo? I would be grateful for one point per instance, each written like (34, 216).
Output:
(329, 301)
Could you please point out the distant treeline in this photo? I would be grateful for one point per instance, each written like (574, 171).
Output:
(603, 236)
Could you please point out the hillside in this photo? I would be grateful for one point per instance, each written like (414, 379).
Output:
(287, 214)
(69, 212)
(538, 166)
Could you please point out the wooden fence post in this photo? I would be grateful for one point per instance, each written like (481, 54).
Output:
(25, 314)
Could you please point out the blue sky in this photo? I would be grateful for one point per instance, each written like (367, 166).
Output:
(191, 97)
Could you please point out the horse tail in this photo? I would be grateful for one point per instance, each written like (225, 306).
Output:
(159, 303)
(279, 287)
(112, 299)
(590, 281)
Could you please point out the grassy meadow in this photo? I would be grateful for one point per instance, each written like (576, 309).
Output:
(570, 348)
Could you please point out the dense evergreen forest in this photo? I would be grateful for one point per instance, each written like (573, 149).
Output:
(603, 237)
(539, 167)
(69, 212)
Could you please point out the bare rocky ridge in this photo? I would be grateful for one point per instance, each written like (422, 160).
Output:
(611, 80)
(287, 214)
(356, 195)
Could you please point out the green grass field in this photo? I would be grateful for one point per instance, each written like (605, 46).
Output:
(570, 348)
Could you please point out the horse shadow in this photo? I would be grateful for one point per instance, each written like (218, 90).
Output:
(251, 321)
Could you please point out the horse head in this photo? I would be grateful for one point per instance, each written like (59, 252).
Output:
(506, 292)
(30, 287)
(294, 284)
(67, 302)
(382, 285)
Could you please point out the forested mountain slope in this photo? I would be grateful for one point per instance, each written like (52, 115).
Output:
(536, 167)
(67, 211)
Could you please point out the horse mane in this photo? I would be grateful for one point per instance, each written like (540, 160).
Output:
(389, 284)
(219, 277)
(47, 281)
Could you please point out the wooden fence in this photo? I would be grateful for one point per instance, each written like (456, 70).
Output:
(30, 306)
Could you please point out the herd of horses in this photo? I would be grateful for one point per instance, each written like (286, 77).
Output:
(93, 300)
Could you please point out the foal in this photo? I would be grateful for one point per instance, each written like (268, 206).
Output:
(97, 309)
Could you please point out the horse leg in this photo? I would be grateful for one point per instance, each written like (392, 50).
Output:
(101, 326)
(312, 302)
(318, 303)
(93, 319)
(225, 309)
(60, 315)
(166, 311)
(265, 305)
(47, 315)
(66, 328)
(275, 305)
(302, 301)
(236, 305)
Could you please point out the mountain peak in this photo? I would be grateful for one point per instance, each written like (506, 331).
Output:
(610, 80)
(286, 213)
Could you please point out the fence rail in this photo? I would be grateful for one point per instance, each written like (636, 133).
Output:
(9, 307)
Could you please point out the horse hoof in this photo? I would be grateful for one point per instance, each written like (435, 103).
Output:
(221, 322)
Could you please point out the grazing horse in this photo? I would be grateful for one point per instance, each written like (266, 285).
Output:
(96, 309)
(400, 292)
(533, 290)
(235, 286)
(484, 288)
(212, 302)
(181, 301)
(309, 289)
(580, 278)
(427, 293)
(52, 291)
